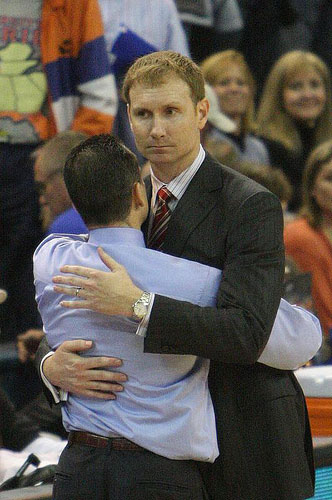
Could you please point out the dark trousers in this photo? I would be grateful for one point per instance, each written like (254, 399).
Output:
(104, 474)
(20, 233)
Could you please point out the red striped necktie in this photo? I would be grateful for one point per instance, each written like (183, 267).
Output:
(161, 219)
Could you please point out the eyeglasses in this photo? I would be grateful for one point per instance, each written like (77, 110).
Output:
(41, 186)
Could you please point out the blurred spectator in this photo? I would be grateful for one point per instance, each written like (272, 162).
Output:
(61, 215)
(55, 75)
(39, 412)
(308, 240)
(216, 117)
(295, 113)
(274, 27)
(300, 34)
(264, 20)
(218, 22)
(322, 40)
(15, 431)
(229, 76)
(53, 194)
(223, 152)
(134, 28)
(63, 218)
(24, 431)
(272, 179)
(27, 344)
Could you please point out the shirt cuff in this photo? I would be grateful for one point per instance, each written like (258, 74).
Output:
(144, 323)
(58, 394)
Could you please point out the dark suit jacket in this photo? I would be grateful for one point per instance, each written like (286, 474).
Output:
(227, 221)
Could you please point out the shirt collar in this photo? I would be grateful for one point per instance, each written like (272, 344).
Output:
(179, 184)
(117, 235)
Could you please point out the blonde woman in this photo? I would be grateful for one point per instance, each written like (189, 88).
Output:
(308, 240)
(294, 115)
(229, 76)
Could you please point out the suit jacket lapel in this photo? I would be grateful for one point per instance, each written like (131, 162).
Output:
(197, 201)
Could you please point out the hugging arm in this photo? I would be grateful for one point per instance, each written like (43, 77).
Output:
(249, 294)
(85, 376)
(236, 331)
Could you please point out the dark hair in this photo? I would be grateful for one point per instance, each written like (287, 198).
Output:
(99, 174)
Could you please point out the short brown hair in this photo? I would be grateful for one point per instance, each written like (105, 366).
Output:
(153, 69)
(317, 159)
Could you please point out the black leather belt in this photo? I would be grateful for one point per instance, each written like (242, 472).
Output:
(89, 439)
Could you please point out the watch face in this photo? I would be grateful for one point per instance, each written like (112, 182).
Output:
(140, 310)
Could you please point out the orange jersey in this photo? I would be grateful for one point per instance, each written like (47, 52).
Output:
(75, 76)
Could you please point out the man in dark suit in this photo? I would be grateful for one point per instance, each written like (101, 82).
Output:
(220, 218)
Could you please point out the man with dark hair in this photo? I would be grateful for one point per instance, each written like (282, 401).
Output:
(108, 198)
(206, 212)
(164, 422)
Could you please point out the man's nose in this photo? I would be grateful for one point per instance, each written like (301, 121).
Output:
(158, 127)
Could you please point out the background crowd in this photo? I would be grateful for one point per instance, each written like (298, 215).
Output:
(268, 67)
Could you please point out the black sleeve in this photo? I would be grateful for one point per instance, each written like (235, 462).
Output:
(237, 330)
(42, 350)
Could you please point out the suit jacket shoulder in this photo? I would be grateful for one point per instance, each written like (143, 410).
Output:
(208, 215)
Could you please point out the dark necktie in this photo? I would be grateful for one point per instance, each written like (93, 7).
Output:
(161, 220)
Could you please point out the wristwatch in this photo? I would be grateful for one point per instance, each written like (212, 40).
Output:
(140, 307)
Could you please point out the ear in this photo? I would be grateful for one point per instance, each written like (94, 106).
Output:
(202, 109)
(139, 194)
(128, 114)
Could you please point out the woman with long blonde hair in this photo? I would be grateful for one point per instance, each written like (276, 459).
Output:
(295, 113)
